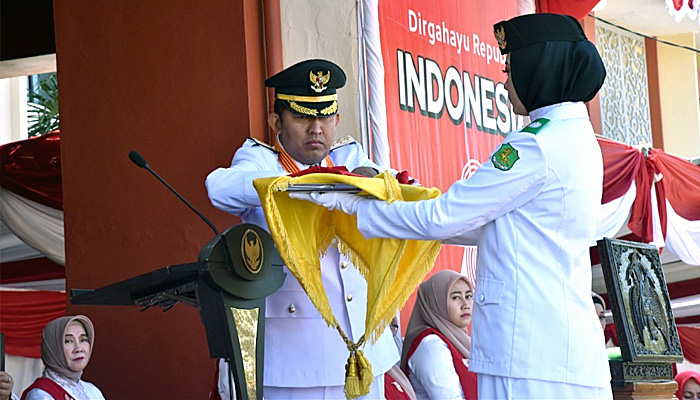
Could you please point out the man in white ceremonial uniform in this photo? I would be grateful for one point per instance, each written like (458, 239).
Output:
(532, 209)
(304, 358)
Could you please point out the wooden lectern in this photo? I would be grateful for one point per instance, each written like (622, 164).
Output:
(235, 272)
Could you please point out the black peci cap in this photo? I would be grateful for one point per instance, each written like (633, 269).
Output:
(309, 87)
(529, 29)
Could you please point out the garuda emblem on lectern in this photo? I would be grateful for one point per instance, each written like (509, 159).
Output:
(252, 252)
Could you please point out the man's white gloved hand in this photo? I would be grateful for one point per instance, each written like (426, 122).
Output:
(345, 202)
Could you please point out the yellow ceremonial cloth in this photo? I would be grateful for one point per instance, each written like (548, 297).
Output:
(303, 231)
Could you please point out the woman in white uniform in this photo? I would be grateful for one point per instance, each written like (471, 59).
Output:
(66, 346)
(437, 344)
(532, 209)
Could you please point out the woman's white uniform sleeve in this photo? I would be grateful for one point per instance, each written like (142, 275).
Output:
(468, 204)
(38, 394)
(431, 364)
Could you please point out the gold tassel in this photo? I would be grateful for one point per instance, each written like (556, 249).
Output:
(352, 379)
(366, 375)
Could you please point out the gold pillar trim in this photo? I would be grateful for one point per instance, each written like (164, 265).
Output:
(246, 321)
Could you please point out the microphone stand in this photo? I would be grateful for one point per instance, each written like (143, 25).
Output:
(138, 159)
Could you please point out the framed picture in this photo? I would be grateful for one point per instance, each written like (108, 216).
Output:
(639, 301)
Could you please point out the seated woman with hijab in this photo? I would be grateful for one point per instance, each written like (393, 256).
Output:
(688, 385)
(66, 346)
(437, 344)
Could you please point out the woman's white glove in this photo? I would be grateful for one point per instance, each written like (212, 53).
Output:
(345, 202)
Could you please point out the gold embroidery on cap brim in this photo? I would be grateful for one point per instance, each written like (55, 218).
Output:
(302, 110)
(330, 109)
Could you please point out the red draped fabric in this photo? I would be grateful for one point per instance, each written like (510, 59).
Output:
(611, 333)
(29, 270)
(685, 288)
(677, 181)
(678, 4)
(576, 8)
(621, 165)
(32, 169)
(403, 176)
(690, 342)
(24, 315)
(682, 180)
(340, 170)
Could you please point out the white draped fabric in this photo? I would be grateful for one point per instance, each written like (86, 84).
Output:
(24, 371)
(13, 248)
(687, 8)
(526, 7)
(615, 214)
(39, 226)
(375, 82)
(683, 237)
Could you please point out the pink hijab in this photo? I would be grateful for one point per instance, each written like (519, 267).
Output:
(430, 311)
(52, 353)
(682, 378)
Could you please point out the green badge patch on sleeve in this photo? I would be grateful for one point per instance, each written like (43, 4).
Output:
(535, 126)
(505, 157)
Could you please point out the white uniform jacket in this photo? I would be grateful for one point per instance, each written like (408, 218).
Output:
(80, 390)
(534, 222)
(432, 373)
(300, 349)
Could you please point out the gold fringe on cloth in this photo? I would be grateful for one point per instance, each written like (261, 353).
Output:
(393, 268)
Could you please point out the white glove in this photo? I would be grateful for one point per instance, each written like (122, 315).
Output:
(345, 202)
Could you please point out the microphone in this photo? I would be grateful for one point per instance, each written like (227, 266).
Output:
(138, 159)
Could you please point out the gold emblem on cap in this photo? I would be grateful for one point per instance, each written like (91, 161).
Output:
(319, 80)
(252, 252)
(501, 37)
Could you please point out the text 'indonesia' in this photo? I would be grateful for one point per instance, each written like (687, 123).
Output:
(475, 101)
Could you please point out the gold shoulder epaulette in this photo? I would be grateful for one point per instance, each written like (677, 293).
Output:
(263, 144)
(343, 142)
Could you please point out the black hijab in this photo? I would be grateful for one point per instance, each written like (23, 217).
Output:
(551, 60)
(555, 72)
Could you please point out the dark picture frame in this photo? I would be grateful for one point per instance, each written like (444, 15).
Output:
(639, 301)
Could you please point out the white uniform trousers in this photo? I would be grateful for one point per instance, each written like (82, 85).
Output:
(493, 387)
(376, 392)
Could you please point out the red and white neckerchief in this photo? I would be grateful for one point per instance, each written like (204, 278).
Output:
(288, 162)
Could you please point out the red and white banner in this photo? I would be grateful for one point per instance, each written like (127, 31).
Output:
(444, 86)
